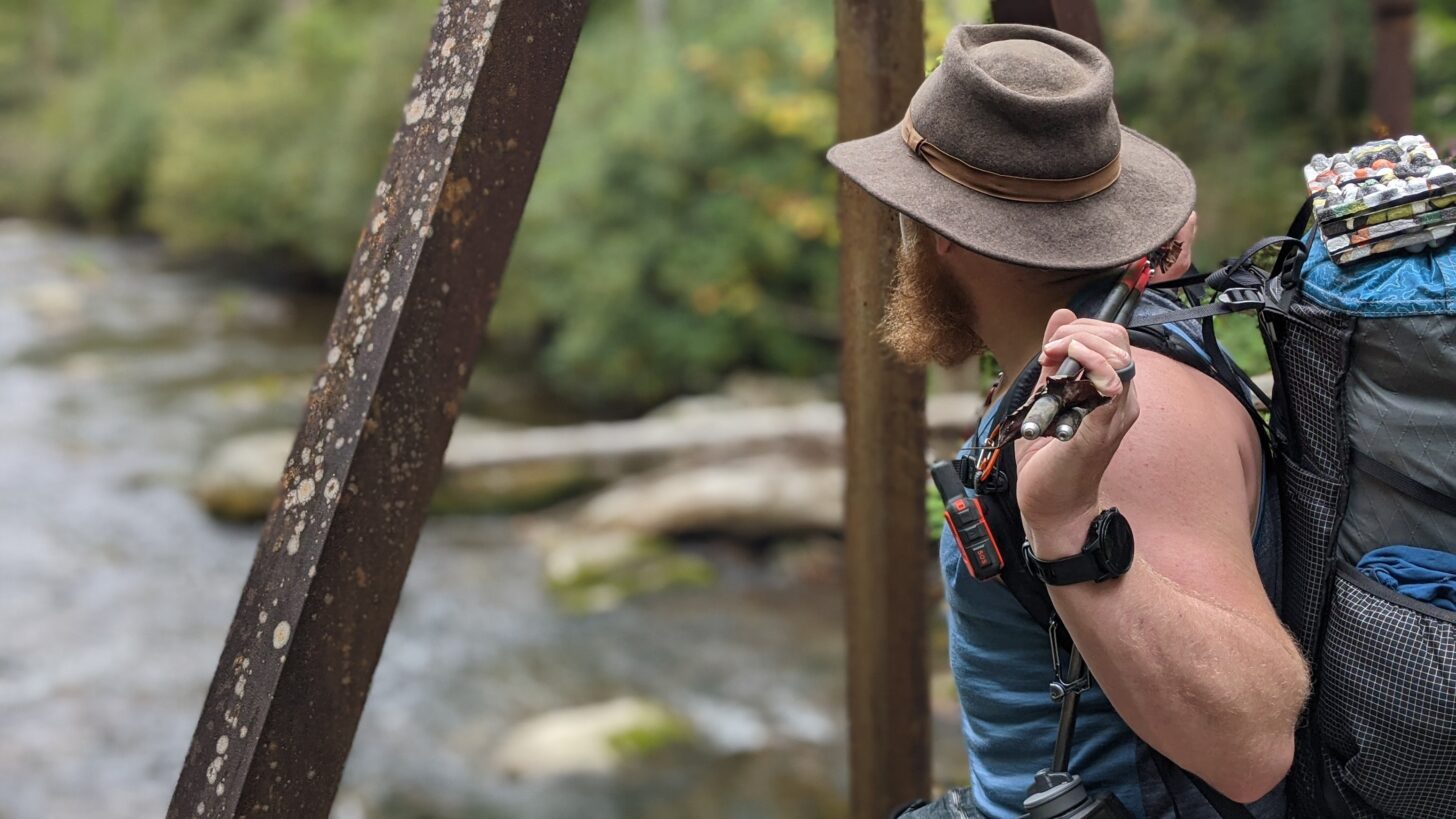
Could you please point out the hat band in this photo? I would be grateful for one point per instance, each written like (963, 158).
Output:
(1001, 186)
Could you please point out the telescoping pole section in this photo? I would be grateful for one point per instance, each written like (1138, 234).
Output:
(881, 61)
(280, 716)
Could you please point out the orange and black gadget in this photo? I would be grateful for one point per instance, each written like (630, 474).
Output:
(967, 521)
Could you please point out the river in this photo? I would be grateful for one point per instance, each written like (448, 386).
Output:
(116, 587)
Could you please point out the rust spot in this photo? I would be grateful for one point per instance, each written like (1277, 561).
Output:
(456, 189)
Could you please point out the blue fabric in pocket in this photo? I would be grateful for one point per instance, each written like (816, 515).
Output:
(1427, 575)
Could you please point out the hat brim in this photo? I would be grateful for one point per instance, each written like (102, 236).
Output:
(1145, 207)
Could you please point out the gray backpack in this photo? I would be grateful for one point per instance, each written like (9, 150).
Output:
(1362, 427)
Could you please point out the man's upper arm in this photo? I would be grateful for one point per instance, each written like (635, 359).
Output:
(1187, 477)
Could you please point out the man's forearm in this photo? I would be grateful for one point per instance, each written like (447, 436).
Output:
(1210, 688)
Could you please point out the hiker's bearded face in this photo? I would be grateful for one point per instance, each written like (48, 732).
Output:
(928, 317)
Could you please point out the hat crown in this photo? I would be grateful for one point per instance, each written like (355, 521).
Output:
(1020, 101)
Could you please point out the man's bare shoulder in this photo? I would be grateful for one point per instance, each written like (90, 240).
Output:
(1179, 401)
(1192, 458)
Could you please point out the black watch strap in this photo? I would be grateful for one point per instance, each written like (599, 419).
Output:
(1092, 563)
(1078, 568)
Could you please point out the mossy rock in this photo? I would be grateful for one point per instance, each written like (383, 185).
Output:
(599, 571)
(599, 738)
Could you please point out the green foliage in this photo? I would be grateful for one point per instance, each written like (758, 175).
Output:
(278, 152)
(682, 225)
(1244, 93)
(80, 135)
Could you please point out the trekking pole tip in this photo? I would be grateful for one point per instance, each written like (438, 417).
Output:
(1068, 422)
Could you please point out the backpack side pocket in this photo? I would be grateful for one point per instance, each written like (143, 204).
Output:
(1386, 710)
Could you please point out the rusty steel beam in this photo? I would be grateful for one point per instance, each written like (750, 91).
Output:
(881, 61)
(1392, 82)
(1078, 17)
(285, 701)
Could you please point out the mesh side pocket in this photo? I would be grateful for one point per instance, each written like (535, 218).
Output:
(1309, 504)
(1313, 358)
(1310, 507)
(1386, 711)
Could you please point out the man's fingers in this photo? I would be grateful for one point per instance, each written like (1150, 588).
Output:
(1115, 333)
(1059, 319)
(1100, 371)
(1056, 351)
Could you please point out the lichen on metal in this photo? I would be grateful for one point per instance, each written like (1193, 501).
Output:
(284, 703)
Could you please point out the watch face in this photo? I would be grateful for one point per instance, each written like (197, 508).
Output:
(1115, 540)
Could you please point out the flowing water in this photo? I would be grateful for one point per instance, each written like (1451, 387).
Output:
(116, 588)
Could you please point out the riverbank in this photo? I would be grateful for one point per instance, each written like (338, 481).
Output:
(118, 377)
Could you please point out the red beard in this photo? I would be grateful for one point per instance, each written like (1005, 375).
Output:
(927, 317)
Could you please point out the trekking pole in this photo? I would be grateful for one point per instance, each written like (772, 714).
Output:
(1117, 307)
(1070, 419)
(1067, 722)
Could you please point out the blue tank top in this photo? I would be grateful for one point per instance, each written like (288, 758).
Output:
(1001, 661)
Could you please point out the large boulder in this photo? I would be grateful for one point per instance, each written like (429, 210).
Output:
(589, 739)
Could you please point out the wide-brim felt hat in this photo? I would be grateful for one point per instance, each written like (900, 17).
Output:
(1012, 148)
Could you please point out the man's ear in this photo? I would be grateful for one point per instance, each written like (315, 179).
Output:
(943, 246)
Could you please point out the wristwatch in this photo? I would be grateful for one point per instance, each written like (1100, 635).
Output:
(1107, 554)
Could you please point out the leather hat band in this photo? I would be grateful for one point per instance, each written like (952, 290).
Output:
(1015, 188)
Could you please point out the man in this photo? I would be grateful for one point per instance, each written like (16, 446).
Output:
(1019, 195)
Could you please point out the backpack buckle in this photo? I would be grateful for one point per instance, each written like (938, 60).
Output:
(1242, 298)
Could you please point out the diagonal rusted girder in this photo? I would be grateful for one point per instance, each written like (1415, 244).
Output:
(274, 735)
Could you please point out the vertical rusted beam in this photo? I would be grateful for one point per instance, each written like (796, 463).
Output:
(881, 61)
(1078, 17)
(1392, 85)
(280, 716)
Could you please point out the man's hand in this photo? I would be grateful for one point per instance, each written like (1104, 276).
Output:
(1058, 483)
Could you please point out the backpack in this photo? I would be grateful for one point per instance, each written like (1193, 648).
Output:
(1362, 433)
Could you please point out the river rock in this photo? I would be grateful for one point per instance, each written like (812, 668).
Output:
(761, 495)
(240, 479)
(589, 739)
(593, 570)
(617, 544)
